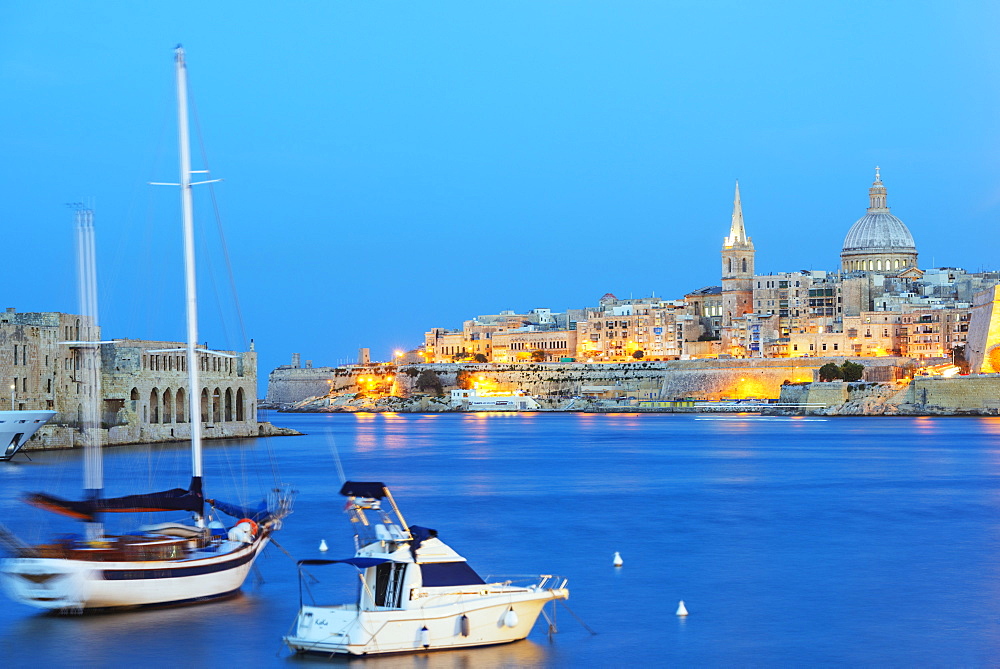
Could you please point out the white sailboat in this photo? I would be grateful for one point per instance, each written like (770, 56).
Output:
(163, 564)
(416, 593)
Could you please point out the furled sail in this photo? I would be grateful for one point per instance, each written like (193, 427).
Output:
(177, 499)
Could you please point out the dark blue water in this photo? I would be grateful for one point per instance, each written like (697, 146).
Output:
(796, 542)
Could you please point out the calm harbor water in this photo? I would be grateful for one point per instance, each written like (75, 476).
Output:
(852, 541)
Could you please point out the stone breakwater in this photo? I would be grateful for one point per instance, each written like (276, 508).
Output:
(696, 379)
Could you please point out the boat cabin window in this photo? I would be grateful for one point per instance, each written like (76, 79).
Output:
(389, 584)
(436, 574)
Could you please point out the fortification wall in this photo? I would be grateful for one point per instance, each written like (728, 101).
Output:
(979, 393)
(700, 379)
(924, 395)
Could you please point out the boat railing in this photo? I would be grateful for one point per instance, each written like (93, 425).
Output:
(528, 581)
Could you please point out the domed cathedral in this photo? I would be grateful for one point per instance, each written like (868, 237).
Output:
(878, 242)
(737, 274)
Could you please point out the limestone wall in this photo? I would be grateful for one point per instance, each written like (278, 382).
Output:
(700, 379)
(925, 395)
(982, 348)
(980, 392)
(287, 385)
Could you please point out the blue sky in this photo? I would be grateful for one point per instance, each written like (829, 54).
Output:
(391, 167)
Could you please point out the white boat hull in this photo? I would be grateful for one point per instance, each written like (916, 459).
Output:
(17, 427)
(73, 585)
(346, 630)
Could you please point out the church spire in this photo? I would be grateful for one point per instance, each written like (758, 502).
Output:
(876, 195)
(737, 231)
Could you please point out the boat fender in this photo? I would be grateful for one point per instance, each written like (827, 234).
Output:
(253, 525)
(464, 624)
(245, 530)
(425, 637)
(510, 618)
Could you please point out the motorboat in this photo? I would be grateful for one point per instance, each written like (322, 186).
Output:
(17, 427)
(415, 593)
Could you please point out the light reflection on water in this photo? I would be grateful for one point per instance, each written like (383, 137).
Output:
(861, 541)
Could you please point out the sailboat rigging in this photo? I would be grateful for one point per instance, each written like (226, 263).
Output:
(163, 564)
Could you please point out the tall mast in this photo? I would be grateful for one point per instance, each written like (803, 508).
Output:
(88, 355)
(187, 210)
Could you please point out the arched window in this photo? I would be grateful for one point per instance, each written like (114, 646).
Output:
(204, 405)
(878, 264)
(239, 405)
(229, 404)
(181, 400)
(168, 406)
(744, 264)
(217, 406)
(154, 406)
(730, 270)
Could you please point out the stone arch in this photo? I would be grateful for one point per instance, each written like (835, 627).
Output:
(154, 406)
(180, 399)
(217, 405)
(168, 406)
(204, 405)
(229, 404)
(240, 412)
(744, 265)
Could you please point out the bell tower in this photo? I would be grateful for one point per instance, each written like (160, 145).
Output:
(737, 273)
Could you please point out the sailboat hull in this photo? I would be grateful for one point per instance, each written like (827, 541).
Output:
(76, 585)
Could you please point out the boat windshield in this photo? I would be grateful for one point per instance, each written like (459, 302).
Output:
(374, 515)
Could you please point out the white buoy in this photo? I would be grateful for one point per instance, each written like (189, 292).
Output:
(322, 545)
(618, 560)
(425, 637)
(681, 609)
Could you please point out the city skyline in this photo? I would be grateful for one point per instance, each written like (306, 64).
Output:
(391, 169)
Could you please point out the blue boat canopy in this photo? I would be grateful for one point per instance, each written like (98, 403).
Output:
(363, 489)
(258, 513)
(359, 562)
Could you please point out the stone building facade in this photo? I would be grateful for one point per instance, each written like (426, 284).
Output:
(46, 364)
(145, 392)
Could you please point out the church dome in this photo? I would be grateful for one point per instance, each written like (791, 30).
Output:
(878, 241)
(879, 232)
